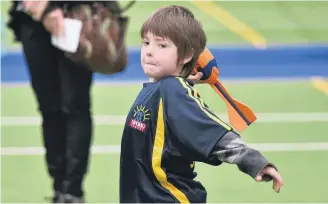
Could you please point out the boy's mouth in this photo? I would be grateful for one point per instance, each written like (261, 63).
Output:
(149, 63)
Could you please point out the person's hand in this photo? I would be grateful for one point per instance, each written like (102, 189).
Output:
(35, 8)
(268, 173)
(196, 78)
(54, 22)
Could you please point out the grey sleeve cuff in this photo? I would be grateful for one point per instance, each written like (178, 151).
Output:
(232, 149)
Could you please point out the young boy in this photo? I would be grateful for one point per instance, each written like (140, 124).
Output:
(169, 126)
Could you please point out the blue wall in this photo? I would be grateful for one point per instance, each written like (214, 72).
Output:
(287, 61)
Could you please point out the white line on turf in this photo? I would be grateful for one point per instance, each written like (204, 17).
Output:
(120, 119)
(115, 149)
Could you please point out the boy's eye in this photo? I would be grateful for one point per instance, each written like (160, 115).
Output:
(145, 43)
(162, 45)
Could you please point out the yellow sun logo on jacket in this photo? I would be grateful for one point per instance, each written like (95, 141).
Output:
(141, 114)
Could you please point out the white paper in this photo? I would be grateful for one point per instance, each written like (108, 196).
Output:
(70, 41)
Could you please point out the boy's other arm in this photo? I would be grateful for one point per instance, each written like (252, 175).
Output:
(232, 149)
(194, 128)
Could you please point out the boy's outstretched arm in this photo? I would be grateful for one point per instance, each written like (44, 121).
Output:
(202, 136)
(232, 149)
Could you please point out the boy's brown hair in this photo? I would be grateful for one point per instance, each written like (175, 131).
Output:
(178, 24)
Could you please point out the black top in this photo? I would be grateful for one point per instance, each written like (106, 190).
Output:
(168, 128)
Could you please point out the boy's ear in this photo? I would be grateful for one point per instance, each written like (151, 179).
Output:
(188, 57)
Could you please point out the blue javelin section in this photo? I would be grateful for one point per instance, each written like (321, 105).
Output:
(292, 61)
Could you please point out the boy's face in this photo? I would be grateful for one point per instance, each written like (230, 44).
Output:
(159, 57)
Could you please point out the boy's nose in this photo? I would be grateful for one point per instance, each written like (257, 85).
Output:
(149, 50)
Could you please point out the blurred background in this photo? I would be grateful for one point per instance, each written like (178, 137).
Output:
(272, 55)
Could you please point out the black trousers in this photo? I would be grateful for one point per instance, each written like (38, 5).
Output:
(62, 89)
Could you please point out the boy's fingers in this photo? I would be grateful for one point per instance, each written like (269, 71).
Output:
(276, 178)
(261, 174)
(258, 178)
(277, 182)
(199, 74)
(196, 78)
(277, 186)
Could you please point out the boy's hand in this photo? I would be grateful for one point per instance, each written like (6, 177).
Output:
(196, 77)
(273, 174)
